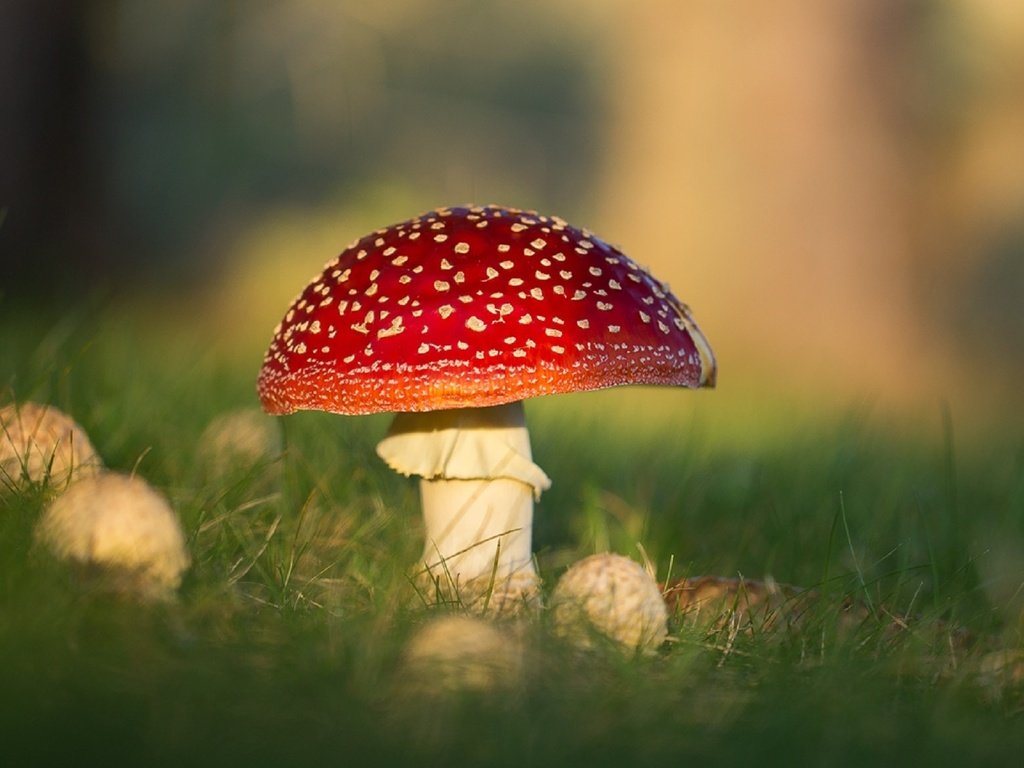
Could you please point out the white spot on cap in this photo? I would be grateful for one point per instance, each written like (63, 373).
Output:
(554, 332)
(445, 311)
(537, 293)
(393, 330)
(476, 324)
(441, 285)
(583, 323)
(538, 243)
(462, 247)
(423, 348)
(645, 317)
(507, 264)
(541, 275)
(491, 273)
(517, 227)
(504, 247)
(603, 306)
(440, 238)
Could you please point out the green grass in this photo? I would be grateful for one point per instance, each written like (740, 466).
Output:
(285, 646)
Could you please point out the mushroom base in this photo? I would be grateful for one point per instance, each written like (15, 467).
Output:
(512, 595)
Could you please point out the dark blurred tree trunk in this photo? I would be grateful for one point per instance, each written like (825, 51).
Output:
(49, 194)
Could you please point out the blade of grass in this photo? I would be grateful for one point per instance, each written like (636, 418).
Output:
(853, 554)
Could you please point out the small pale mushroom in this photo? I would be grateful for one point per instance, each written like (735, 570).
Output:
(452, 319)
(42, 444)
(119, 529)
(458, 653)
(238, 439)
(612, 597)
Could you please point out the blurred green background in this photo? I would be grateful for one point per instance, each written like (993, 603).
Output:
(836, 188)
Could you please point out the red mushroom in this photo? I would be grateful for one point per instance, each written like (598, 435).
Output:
(452, 319)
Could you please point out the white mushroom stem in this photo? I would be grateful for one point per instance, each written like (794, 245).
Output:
(478, 487)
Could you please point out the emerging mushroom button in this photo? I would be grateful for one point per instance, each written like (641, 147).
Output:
(452, 319)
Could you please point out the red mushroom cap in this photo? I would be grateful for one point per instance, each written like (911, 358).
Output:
(477, 306)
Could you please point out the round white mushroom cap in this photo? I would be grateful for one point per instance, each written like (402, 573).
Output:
(611, 596)
(121, 528)
(461, 653)
(40, 443)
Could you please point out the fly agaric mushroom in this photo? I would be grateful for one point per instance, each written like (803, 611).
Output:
(452, 319)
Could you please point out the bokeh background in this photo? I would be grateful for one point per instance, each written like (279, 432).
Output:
(837, 188)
